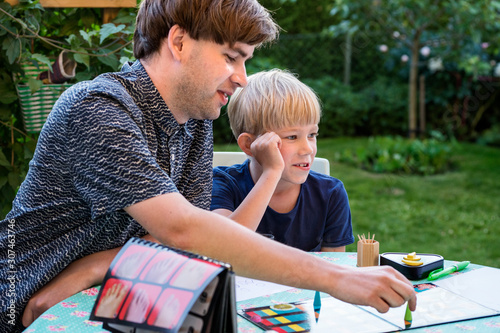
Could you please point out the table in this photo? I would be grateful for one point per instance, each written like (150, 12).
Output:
(72, 315)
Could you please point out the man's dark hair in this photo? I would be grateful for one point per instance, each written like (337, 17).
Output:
(220, 21)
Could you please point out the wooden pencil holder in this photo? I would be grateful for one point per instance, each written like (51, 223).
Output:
(368, 253)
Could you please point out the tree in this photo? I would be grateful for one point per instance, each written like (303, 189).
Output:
(448, 25)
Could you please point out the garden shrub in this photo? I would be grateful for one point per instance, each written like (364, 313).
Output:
(394, 154)
(490, 137)
(343, 110)
(378, 109)
(387, 102)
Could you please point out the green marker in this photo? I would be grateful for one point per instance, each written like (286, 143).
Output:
(408, 317)
(438, 273)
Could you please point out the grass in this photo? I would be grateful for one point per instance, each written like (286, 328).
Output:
(456, 214)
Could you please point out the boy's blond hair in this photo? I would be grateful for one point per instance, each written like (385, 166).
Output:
(272, 100)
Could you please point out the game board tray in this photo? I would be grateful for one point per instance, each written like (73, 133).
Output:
(430, 263)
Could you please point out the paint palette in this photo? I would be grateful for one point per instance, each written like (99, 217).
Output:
(280, 317)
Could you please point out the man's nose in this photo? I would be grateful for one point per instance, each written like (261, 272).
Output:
(240, 76)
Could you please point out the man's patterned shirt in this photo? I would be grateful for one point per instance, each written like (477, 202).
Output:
(107, 144)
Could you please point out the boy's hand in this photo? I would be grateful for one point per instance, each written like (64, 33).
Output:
(266, 150)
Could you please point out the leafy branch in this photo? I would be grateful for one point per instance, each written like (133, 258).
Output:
(96, 47)
(106, 30)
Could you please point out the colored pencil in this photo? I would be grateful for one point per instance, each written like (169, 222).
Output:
(408, 317)
(317, 305)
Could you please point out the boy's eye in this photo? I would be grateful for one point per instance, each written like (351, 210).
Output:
(291, 137)
(313, 135)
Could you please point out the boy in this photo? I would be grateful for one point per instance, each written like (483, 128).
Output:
(275, 120)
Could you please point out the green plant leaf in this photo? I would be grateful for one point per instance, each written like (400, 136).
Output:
(13, 48)
(42, 59)
(14, 179)
(83, 76)
(3, 159)
(74, 41)
(3, 181)
(109, 29)
(34, 84)
(129, 30)
(111, 61)
(87, 37)
(5, 112)
(82, 58)
(125, 59)
(7, 93)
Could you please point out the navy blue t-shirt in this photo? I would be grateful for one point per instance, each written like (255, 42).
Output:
(320, 218)
(107, 144)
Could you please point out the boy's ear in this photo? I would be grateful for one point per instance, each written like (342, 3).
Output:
(245, 141)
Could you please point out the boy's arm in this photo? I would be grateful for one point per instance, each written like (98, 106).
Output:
(265, 150)
(251, 210)
(333, 249)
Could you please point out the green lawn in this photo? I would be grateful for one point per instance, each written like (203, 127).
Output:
(456, 215)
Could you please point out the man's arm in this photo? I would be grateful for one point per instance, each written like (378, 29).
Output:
(79, 275)
(176, 222)
(172, 220)
(265, 150)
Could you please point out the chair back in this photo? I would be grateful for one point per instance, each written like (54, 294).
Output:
(227, 158)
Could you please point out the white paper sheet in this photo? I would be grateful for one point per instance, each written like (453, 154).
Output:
(481, 286)
(250, 288)
(435, 306)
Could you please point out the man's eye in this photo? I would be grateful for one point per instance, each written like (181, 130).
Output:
(230, 59)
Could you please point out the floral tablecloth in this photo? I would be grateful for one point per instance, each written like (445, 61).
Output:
(72, 315)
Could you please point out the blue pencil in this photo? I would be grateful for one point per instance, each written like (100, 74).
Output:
(317, 305)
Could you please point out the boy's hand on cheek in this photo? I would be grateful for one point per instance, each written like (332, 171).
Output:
(266, 150)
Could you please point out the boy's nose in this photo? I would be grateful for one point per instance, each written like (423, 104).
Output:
(307, 148)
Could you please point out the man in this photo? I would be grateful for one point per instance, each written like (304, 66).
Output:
(130, 154)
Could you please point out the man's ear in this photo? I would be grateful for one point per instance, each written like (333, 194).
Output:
(175, 40)
(245, 141)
